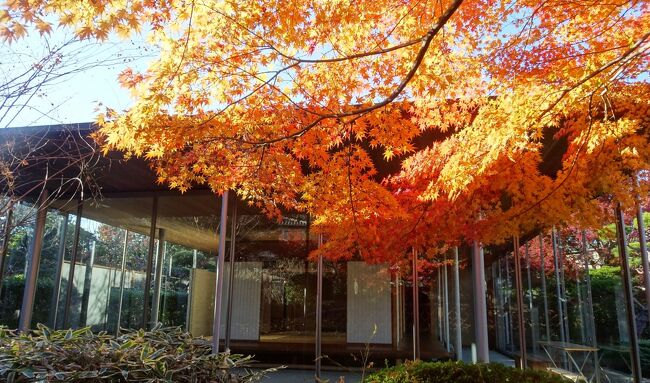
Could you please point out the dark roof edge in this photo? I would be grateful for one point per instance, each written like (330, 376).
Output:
(79, 126)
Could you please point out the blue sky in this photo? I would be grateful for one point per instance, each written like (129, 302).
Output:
(74, 97)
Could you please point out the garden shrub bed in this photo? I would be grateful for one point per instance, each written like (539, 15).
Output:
(459, 372)
(159, 355)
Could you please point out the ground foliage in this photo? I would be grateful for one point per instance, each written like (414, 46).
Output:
(505, 116)
(459, 372)
(159, 355)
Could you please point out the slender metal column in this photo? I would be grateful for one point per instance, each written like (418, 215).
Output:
(34, 257)
(218, 290)
(629, 297)
(231, 274)
(416, 308)
(533, 333)
(398, 310)
(441, 319)
(591, 329)
(149, 267)
(169, 275)
(565, 308)
(5, 245)
(157, 284)
(499, 311)
(520, 305)
(73, 264)
(509, 329)
(583, 335)
(480, 306)
(56, 292)
(319, 311)
(643, 249)
(88, 275)
(558, 287)
(190, 291)
(122, 276)
(459, 336)
(445, 285)
(547, 323)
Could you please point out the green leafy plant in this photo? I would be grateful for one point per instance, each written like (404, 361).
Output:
(459, 372)
(159, 355)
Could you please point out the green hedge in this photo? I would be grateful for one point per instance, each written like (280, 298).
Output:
(459, 372)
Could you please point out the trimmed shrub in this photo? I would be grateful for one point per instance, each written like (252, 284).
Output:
(459, 372)
(159, 355)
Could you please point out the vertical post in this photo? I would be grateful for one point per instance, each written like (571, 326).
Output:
(170, 266)
(565, 308)
(56, 292)
(530, 299)
(558, 286)
(149, 267)
(480, 307)
(629, 297)
(439, 303)
(643, 249)
(591, 329)
(319, 309)
(509, 329)
(5, 245)
(520, 305)
(416, 308)
(73, 263)
(88, 275)
(34, 257)
(231, 274)
(157, 284)
(169, 276)
(544, 294)
(398, 310)
(122, 276)
(497, 283)
(190, 291)
(445, 285)
(459, 339)
(218, 290)
(583, 336)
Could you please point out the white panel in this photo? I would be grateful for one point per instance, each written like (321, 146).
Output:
(245, 324)
(98, 296)
(246, 301)
(369, 304)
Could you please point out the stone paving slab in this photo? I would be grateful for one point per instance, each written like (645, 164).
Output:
(307, 376)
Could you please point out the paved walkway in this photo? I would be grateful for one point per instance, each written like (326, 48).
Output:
(495, 357)
(307, 376)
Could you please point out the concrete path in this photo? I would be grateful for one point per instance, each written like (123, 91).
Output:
(307, 376)
(495, 357)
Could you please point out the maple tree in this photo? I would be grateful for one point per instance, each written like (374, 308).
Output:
(506, 116)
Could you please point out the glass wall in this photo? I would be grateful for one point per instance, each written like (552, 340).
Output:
(102, 274)
(94, 266)
(187, 230)
(572, 292)
(13, 281)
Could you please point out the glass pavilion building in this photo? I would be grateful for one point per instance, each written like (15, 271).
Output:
(141, 254)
